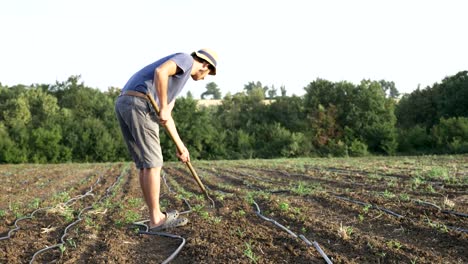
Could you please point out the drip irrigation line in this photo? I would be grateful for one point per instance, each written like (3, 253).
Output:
(147, 232)
(458, 229)
(8, 236)
(273, 221)
(427, 203)
(79, 219)
(171, 191)
(302, 237)
(400, 216)
(371, 206)
(454, 213)
(440, 209)
(317, 247)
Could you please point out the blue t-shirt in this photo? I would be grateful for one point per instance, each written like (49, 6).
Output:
(142, 81)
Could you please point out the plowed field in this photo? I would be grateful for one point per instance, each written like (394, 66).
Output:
(349, 210)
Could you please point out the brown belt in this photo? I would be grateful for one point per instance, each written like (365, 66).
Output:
(135, 93)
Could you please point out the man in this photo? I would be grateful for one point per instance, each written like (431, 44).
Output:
(164, 80)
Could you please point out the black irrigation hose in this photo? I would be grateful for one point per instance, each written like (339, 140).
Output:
(147, 232)
(371, 206)
(45, 208)
(315, 244)
(440, 209)
(65, 232)
(176, 252)
(400, 216)
(454, 213)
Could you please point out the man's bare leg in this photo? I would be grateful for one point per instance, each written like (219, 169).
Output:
(150, 182)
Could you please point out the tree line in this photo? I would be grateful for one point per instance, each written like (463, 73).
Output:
(70, 122)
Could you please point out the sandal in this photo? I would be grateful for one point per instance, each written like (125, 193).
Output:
(171, 221)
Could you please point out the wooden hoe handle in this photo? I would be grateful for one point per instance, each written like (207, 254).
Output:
(179, 148)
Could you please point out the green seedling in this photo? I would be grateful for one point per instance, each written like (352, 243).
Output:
(71, 242)
(62, 248)
(361, 217)
(366, 208)
(284, 206)
(240, 233)
(249, 253)
(2, 214)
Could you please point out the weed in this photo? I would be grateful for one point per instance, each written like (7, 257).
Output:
(250, 198)
(15, 208)
(302, 189)
(430, 188)
(62, 196)
(67, 213)
(438, 173)
(284, 206)
(387, 194)
(35, 203)
(394, 244)
(241, 212)
(345, 231)
(448, 203)
(392, 183)
(2, 214)
(404, 197)
(135, 202)
(197, 208)
(366, 208)
(249, 253)
(204, 214)
(217, 219)
(131, 216)
(416, 182)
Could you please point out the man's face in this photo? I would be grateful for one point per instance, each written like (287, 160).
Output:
(202, 73)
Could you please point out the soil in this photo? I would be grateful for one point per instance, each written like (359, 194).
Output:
(358, 210)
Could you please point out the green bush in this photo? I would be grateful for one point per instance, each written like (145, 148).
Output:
(451, 135)
(357, 149)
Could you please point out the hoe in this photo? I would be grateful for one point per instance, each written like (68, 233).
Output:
(189, 165)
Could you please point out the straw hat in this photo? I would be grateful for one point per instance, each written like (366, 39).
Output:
(210, 56)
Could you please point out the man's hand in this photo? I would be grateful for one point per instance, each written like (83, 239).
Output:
(184, 156)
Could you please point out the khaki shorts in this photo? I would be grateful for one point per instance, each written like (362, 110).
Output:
(140, 129)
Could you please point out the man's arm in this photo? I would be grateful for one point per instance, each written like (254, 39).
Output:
(161, 79)
(172, 129)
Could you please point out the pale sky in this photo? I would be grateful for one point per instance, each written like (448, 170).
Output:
(290, 43)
